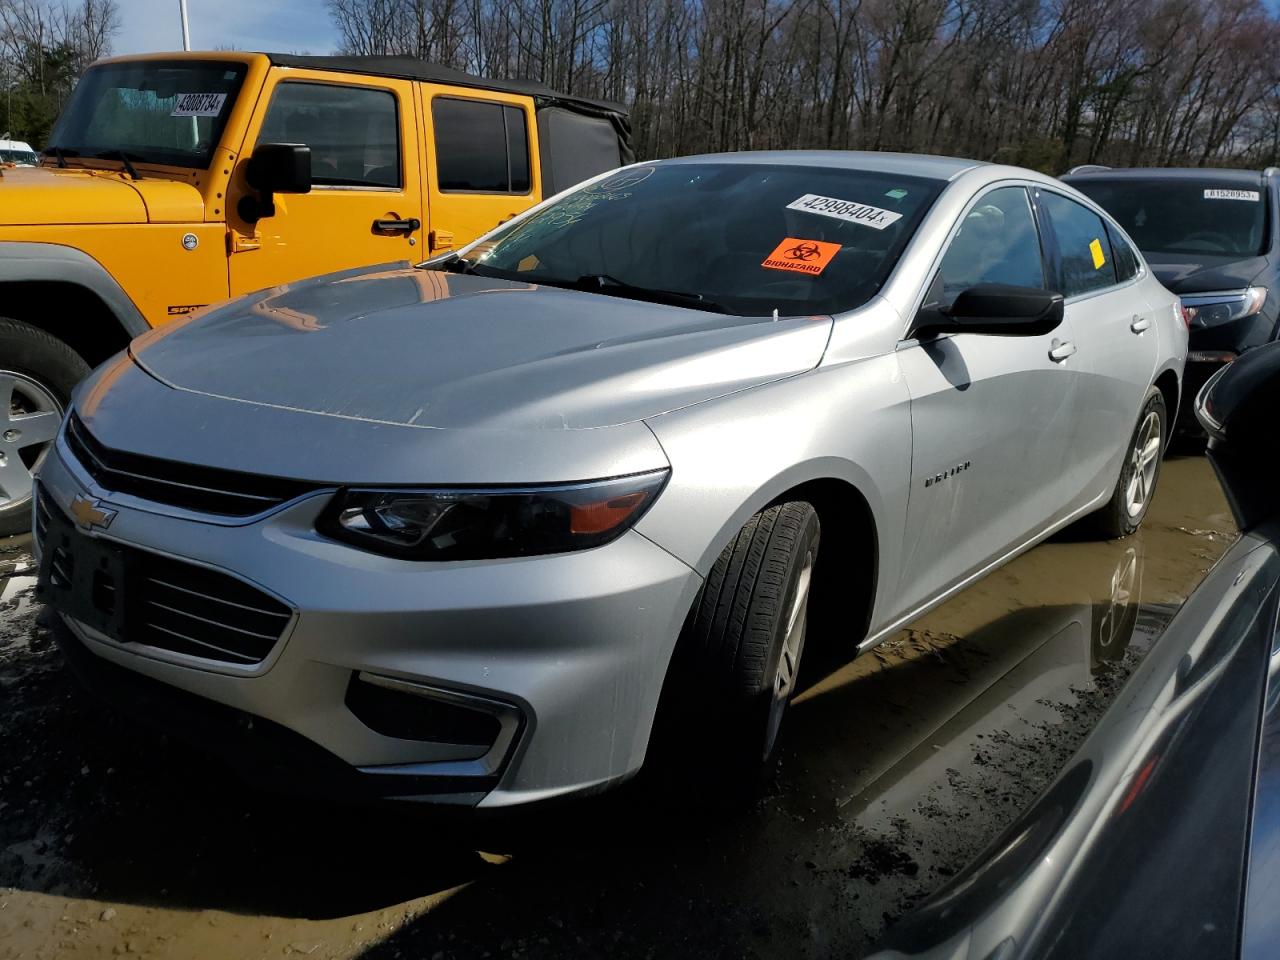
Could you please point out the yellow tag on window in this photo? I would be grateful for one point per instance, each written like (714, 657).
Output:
(1095, 247)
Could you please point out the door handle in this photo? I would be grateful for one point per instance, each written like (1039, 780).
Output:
(1139, 323)
(390, 225)
(1060, 350)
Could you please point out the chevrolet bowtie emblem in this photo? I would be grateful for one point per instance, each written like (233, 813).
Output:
(89, 513)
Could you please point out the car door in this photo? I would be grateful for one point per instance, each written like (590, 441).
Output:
(988, 413)
(365, 204)
(482, 169)
(1114, 327)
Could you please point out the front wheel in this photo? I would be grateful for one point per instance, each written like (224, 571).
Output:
(37, 374)
(738, 658)
(1132, 496)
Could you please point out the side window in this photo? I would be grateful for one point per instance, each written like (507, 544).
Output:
(480, 147)
(1126, 260)
(997, 243)
(1083, 246)
(353, 132)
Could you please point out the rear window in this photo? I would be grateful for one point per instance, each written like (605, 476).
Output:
(752, 238)
(1209, 217)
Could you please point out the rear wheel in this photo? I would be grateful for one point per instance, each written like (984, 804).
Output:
(1131, 499)
(37, 374)
(738, 658)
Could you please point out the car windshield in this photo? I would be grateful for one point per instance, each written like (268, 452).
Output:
(152, 111)
(745, 239)
(1201, 217)
(26, 157)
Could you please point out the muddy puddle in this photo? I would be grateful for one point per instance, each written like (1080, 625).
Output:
(897, 769)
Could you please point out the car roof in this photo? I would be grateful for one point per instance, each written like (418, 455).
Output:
(907, 164)
(1252, 177)
(409, 68)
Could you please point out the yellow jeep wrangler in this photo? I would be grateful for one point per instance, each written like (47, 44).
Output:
(172, 181)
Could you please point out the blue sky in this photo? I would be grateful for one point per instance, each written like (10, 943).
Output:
(289, 26)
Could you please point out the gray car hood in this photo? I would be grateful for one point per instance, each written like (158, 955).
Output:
(430, 349)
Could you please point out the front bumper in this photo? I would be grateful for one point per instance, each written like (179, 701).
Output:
(568, 652)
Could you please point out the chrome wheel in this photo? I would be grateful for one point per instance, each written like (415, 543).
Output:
(1144, 461)
(784, 675)
(29, 419)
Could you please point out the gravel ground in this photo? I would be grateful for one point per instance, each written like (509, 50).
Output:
(897, 769)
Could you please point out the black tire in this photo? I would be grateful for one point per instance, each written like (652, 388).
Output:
(53, 367)
(721, 722)
(1117, 519)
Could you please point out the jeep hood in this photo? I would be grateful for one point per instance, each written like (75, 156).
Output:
(47, 195)
(424, 348)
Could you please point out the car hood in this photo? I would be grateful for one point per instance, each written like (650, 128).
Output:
(1201, 274)
(423, 348)
(47, 195)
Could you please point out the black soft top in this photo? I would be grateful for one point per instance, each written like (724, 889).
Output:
(407, 68)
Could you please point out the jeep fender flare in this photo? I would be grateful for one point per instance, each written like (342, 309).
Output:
(24, 262)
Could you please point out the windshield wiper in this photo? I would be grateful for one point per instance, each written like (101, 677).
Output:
(609, 285)
(61, 153)
(456, 264)
(124, 158)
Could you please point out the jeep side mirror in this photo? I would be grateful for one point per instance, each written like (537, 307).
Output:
(992, 308)
(274, 168)
(1237, 408)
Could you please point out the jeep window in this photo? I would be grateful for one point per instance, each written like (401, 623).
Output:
(745, 238)
(997, 243)
(154, 111)
(480, 147)
(353, 132)
(1186, 217)
(1084, 250)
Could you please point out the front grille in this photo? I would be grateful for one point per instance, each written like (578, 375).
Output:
(205, 489)
(167, 603)
(188, 609)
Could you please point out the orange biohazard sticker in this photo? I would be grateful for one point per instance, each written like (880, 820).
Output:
(802, 256)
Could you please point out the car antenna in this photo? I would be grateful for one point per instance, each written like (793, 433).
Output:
(775, 314)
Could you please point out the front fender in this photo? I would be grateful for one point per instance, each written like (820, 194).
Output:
(24, 262)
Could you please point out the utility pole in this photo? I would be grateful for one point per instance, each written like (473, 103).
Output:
(186, 35)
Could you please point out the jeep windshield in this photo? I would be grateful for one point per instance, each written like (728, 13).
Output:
(151, 111)
(740, 238)
(1214, 217)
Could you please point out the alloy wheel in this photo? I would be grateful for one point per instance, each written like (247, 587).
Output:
(784, 676)
(1144, 461)
(29, 419)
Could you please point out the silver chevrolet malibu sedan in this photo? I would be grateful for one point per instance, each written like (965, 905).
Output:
(505, 525)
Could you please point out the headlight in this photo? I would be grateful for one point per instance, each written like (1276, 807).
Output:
(1212, 309)
(485, 523)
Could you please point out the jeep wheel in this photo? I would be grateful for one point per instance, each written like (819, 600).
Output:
(37, 374)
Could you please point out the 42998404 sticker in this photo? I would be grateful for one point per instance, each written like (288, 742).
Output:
(860, 213)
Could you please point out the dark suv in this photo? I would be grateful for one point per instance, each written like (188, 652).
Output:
(1211, 237)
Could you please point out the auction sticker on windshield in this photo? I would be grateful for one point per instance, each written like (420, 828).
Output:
(801, 256)
(1251, 195)
(862, 213)
(199, 105)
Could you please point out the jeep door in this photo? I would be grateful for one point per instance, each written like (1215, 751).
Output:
(990, 415)
(1115, 328)
(482, 168)
(365, 204)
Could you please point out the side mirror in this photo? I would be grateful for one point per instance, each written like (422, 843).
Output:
(993, 308)
(1237, 408)
(274, 168)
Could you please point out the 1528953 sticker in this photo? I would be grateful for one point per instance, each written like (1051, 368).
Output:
(801, 256)
(199, 104)
(860, 213)
(1253, 196)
